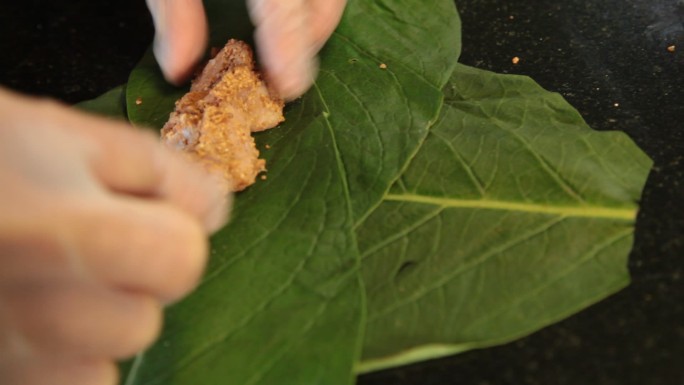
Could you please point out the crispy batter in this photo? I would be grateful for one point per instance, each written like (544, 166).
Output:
(213, 122)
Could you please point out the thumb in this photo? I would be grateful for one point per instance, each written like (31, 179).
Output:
(181, 36)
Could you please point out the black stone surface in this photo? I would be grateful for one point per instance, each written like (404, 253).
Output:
(609, 59)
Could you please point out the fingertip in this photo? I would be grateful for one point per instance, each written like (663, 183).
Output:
(217, 212)
(169, 68)
(203, 195)
(289, 65)
(177, 63)
(181, 36)
(147, 315)
(190, 260)
(294, 81)
(326, 15)
(284, 44)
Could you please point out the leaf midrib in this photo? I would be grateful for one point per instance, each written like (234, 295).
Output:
(582, 211)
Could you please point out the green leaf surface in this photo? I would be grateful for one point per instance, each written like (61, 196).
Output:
(514, 214)
(112, 104)
(412, 210)
(282, 302)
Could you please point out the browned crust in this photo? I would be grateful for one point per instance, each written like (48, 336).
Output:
(213, 122)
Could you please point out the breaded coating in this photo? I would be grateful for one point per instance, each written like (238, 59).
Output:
(213, 122)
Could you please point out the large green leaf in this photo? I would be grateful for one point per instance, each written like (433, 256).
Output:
(513, 215)
(282, 302)
(505, 212)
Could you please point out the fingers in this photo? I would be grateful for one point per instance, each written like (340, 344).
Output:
(100, 225)
(288, 36)
(138, 245)
(122, 242)
(326, 14)
(77, 321)
(131, 161)
(55, 371)
(285, 44)
(53, 333)
(181, 36)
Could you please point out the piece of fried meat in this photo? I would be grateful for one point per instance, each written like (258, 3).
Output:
(213, 122)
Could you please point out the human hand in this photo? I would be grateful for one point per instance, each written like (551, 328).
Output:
(99, 227)
(288, 36)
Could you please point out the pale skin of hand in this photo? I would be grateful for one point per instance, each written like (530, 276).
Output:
(289, 34)
(100, 225)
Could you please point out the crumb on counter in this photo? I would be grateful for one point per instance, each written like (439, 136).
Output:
(671, 48)
(138, 101)
(383, 66)
(263, 177)
(268, 146)
(515, 60)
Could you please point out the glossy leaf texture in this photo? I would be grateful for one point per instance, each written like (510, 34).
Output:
(513, 215)
(282, 302)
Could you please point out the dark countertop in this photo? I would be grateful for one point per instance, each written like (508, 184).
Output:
(608, 58)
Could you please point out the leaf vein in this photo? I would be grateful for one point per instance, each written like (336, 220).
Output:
(437, 283)
(579, 262)
(620, 213)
